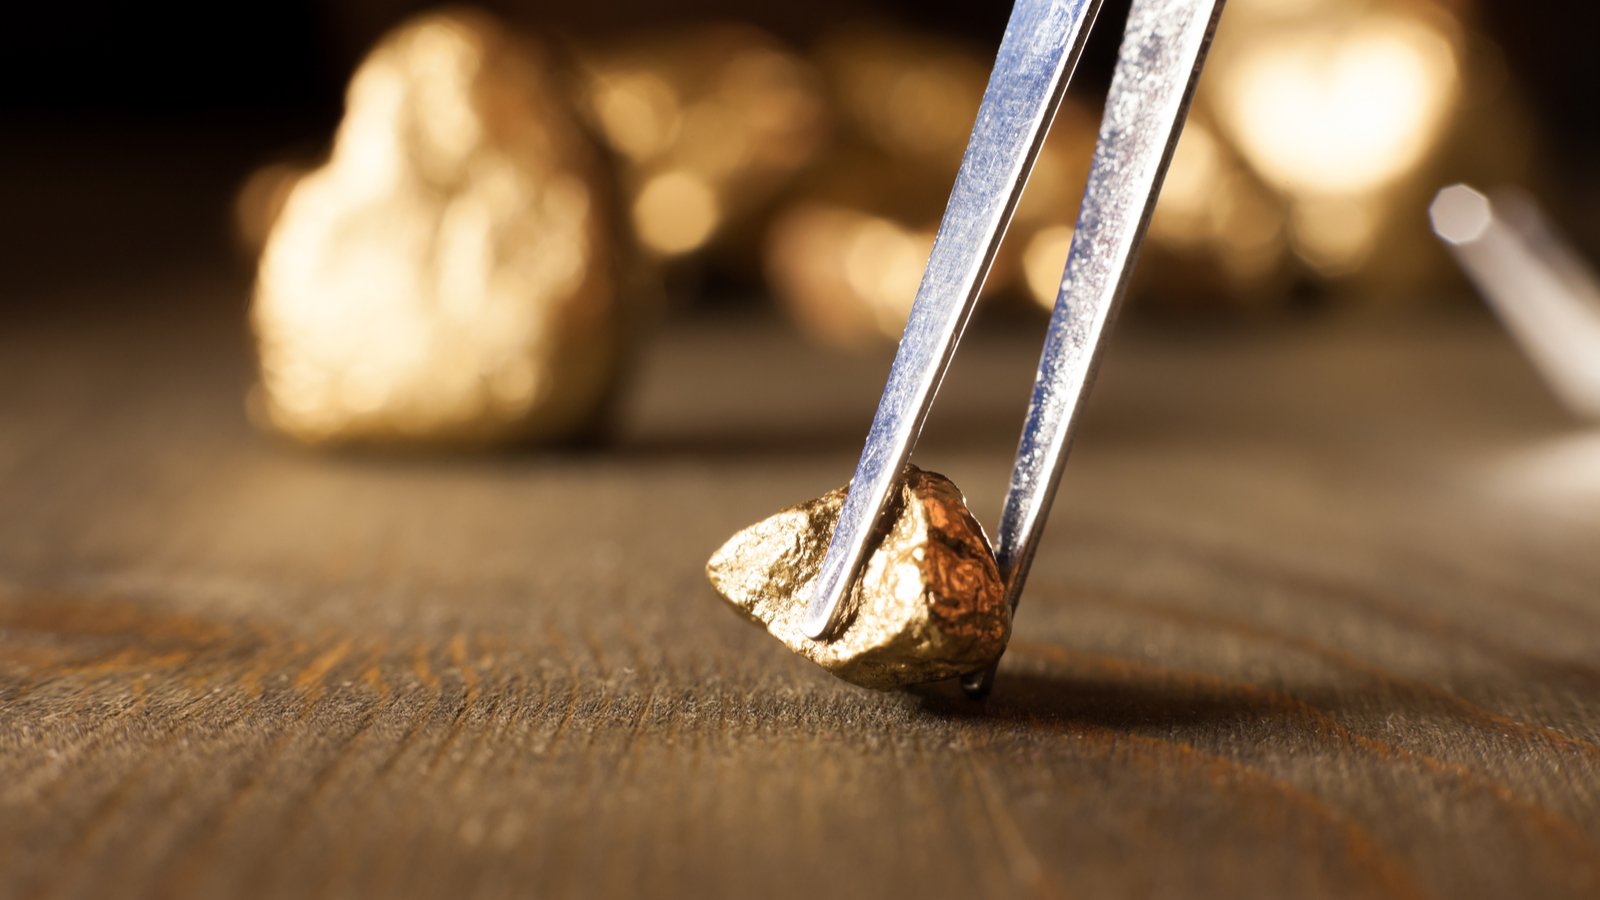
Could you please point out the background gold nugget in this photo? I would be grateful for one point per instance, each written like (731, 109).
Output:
(709, 122)
(929, 604)
(450, 275)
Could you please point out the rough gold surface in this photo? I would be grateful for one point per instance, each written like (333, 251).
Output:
(928, 606)
(450, 274)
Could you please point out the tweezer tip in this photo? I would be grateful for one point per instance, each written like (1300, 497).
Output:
(977, 685)
(1461, 215)
(817, 623)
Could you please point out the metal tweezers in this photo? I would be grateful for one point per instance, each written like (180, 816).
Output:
(1164, 45)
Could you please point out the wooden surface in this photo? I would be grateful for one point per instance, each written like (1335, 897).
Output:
(1318, 614)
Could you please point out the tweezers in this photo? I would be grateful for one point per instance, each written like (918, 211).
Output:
(1164, 45)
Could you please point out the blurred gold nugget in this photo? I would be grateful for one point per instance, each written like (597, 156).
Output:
(1335, 105)
(1344, 116)
(260, 201)
(450, 275)
(710, 123)
(929, 604)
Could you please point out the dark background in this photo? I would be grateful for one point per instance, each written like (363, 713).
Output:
(288, 60)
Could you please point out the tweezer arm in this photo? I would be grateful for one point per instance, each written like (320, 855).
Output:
(1536, 282)
(1158, 67)
(1041, 47)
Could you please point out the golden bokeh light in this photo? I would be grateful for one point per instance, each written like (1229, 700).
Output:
(1218, 235)
(1044, 263)
(1335, 234)
(847, 258)
(913, 96)
(675, 212)
(847, 276)
(449, 275)
(639, 113)
(1339, 111)
(710, 123)
(1334, 105)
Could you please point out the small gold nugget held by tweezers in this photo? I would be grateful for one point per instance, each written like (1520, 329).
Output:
(1163, 46)
(929, 604)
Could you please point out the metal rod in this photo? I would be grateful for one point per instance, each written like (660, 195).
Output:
(1544, 292)
(1163, 49)
(1042, 43)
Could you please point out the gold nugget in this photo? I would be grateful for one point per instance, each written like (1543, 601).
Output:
(450, 275)
(929, 605)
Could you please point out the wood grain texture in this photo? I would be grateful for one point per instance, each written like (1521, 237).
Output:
(1318, 615)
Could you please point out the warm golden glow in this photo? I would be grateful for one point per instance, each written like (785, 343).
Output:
(1339, 110)
(1056, 184)
(260, 200)
(1199, 185)
(1218, 234)
(1559, 475)
(913, 96)
(883, 264)
(640, 113)
(447, 275)
(849, 277)
(711, 122)
(675, 213)
(1044, 262)
(1333, 105)
(1335, 234)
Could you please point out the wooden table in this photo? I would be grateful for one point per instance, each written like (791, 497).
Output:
(1318, 614)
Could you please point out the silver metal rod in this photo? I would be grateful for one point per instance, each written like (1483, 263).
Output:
(1163, 49)
(1042, 43)
(1544, 292)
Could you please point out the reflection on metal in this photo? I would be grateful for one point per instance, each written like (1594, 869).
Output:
(1559, 475)
(449, 275)
(1541, 288)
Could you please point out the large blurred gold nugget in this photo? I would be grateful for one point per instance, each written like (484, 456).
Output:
(928, 606)
(450, 275)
